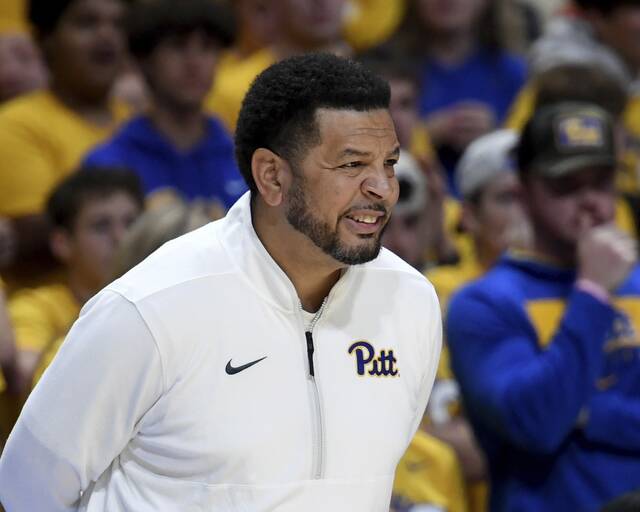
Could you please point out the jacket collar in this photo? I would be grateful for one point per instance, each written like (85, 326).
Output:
(262, 273)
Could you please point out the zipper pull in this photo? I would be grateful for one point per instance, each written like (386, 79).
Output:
(310, 351)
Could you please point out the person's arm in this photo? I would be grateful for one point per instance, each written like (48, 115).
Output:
(530, 398)
(85, 409)
(614, 420)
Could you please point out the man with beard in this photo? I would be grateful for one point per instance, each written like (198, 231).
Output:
(276, 359)
(545, 345)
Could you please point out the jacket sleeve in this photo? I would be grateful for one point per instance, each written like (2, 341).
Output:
(84, 410)
(614, 420)
(524, 395)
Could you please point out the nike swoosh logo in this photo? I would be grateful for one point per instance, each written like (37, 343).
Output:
(232, 370)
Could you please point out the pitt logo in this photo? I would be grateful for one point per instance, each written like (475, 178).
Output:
(381, 366)
(580, 131)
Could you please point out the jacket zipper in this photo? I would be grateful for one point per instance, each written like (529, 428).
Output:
(318, 438)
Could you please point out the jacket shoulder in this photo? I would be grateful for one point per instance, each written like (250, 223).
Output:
(389, 271)
(195, 256)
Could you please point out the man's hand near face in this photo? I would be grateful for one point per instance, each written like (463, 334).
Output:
(606, 255)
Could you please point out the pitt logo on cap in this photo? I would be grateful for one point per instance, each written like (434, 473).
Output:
(367, 362)
(580, 132)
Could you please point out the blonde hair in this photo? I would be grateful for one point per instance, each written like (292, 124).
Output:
(157, 226)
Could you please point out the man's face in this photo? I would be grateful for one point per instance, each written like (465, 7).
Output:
(343, 190)
(88, 250)
(561, 208)
(403, 108)
(497, 220)
(311, 23)
(450, 16)
(180, 69)
(87, 48)
(621, 31)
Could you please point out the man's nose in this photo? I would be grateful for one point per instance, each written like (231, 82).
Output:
(380, 184)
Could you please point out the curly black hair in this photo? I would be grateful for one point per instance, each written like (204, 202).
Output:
(278, 112)
(150, 23)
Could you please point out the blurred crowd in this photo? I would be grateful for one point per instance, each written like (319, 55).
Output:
(116, 135)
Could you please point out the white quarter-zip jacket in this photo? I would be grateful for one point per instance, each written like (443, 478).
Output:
(194, 384)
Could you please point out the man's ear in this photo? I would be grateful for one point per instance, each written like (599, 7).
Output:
(61, 244)
(272, 175)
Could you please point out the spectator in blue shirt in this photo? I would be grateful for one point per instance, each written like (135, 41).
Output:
(175, 148)
(469, 79)
(545, 346)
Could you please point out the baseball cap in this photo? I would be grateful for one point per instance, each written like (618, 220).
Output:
(413, 185)
(484, 159)
(566, 137)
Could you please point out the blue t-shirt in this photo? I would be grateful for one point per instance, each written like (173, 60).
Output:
(492, 78)
(550, 378)
(207, 171)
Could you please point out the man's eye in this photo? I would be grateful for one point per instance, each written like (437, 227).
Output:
(352, 165)
(391, 162)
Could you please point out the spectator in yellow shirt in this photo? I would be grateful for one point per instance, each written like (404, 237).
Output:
(44, 135)
(152, 229)
(90, 212)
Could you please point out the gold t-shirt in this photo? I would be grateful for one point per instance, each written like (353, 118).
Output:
(41, 142)
(233, 79)
(42, 315)
(429, 474)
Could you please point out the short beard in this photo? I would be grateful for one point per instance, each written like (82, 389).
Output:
(301, 219)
